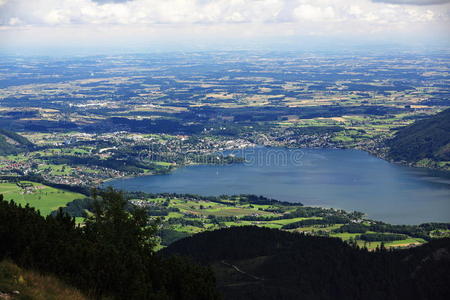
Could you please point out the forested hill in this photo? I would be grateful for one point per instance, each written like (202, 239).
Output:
(262, 263)
(425, 142)
(12, 143)
(110, 257)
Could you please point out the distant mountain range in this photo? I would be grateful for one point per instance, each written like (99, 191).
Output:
(262, 263)
(424, 143)
(13, 143)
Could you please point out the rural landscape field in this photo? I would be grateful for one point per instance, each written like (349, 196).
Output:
(224, 150)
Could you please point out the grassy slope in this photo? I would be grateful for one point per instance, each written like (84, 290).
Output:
(48, 199)
(220, 210)
(44, 198)
(32, 285)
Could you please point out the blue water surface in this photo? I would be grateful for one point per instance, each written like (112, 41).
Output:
(346, 179)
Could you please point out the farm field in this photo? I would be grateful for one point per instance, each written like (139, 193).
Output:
(81, 131)
(325, 101)
(44, 198)
(185, 215)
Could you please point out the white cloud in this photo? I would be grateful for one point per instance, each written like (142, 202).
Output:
(51, 12)
(14, 21)
(62, 12)
(215, 18)
(310, 12)
(414, 2)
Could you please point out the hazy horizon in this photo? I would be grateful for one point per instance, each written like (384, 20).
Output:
(47, 27)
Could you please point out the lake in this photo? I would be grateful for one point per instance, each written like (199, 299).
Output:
(345, 179)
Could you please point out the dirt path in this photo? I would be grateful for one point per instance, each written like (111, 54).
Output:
(240, 271)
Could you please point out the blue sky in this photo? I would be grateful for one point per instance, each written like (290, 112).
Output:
(203, 24)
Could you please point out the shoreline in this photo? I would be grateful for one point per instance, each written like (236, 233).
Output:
(342, 201)
(375, 154)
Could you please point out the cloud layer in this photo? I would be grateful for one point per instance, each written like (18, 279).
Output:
(414, 2)
(63, 12)
(215, 18)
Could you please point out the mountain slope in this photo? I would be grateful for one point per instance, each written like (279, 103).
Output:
(110, 257)
(427, 139)
(12, 143)
(17, 283)
(262, 263)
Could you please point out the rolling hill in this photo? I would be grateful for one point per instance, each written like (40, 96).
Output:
(261, 263)
(13, 143)
(424, 143)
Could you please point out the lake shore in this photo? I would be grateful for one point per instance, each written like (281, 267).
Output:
(324, 177)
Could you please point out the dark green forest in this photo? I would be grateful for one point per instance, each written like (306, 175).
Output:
(276, 264)
(427, 138)
(112, 255)
(13, 143)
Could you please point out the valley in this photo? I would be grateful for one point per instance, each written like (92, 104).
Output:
(70, 125)
(225, 150)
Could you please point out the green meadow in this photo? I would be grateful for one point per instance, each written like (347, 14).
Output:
(200, 215)
(44, 198)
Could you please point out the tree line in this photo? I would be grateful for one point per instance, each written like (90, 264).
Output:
(112, 255)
